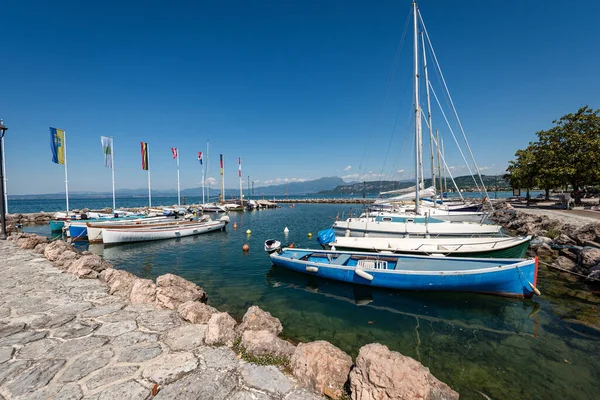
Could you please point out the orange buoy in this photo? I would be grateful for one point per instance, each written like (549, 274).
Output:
(245, 247)
(292, 245)
(235, 225)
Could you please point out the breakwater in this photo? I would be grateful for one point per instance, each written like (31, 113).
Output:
(110, 334)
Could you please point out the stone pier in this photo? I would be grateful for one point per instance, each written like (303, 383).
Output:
(66, 338)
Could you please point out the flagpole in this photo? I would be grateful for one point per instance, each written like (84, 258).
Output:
(202, 168)
(149, 188)
(112, 161)
(178, 192)
(4, 169)
(240, 175)
(206, 170)
(66, 173)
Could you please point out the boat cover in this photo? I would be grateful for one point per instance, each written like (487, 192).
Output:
(326, 236)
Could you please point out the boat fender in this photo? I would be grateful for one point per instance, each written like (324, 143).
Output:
(535, 290)
(363, 274)
(312, 269)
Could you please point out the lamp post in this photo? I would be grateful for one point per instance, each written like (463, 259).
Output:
(2, 205)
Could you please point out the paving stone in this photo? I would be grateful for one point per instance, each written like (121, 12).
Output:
(140, 353)
(38, 349)
(200, 385)
(76, 329)
(35, 377)
(130, 390)
(6, 354)
(73, 308)
(30, 305)
(12, 368)
(249, 395)
(169, 367)
(219, 358)
(186, 337)
(159, 320)
(11, 329)
(102, 310)
(4, 312)
(303, 394)
(86, 364)
(140, 308)
(134, 337)
(51, 321)
(110, 374)
(121, 315)
(116, 328)
(22, 338)
(70, 391)
(75, 347)
(268, 378)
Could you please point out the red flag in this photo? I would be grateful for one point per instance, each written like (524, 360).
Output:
(174, 151)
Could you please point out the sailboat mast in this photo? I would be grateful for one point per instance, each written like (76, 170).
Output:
(439, 164)
(417, 110)
(429, 118)
(206, 171)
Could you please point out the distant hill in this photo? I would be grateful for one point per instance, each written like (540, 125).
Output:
(375, 187)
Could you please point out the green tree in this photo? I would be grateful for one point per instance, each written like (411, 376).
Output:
(522, 172)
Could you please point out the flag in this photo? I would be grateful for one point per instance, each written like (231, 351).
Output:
(200, 157)
(174, 151)
(107, 149)
(221, 164)
(144, 156)
(239, 167)
(57, 145)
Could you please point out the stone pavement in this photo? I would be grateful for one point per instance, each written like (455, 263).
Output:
(67, 338)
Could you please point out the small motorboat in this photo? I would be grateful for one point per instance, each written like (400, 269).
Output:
(499, 276)
(272, 245)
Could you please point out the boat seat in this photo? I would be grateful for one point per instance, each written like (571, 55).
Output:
(341, 260)
(372, 264)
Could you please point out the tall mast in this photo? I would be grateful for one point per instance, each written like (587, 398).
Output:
(439, 163)
(429, 118)
(417, 109)
(206, 171)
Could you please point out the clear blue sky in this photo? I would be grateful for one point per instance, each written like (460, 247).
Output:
(298, 89)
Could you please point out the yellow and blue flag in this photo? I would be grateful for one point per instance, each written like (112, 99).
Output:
(57, 145)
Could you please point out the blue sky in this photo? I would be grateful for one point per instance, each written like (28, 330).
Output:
(297, 89)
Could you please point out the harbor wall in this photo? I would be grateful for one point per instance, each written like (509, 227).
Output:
(317, 366)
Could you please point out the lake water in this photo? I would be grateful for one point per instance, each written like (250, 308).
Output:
(480, 345)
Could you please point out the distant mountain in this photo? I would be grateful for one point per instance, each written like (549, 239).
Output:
(375, 187)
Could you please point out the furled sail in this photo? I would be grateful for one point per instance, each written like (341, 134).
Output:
(429, 192)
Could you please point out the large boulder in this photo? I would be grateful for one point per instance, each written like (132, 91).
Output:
(143, 291)
(589, 232)
(30, 242)
(173, 290)
(545, 251)
(220, 330)
(40, 248)
(589, 257)
(565, 263)
(256, 319)
(53, 251)
(321, 366)
(265, 343)
(66, 258)
(196, 312)
(119, 282)
(88, 266)
(381, 374)
(594, 272)
(565, 240)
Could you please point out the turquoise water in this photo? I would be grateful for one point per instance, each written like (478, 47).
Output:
(504, 348)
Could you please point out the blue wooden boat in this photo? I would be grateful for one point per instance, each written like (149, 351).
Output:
(56, 225)
(78, 228)
(505, 277)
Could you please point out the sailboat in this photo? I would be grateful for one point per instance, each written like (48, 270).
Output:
(373, 233)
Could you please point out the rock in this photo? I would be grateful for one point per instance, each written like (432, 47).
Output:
(6, 354)
(256, 319)
(40, 248)
(586, 233)
(143, 291)
(542, 240)
(55, 249)
(34, 378)
(140, 353)
(196, 312)
(544, 250)
(589, 257)
(186, 337)
(217, 358)
(116, 328)
(31, 242)
(200, 384)
(173, 290)
(159, 320)
(76, 329)
(563, 262)
(22, 338)
(88, 266)
(170, 367)
(134, 338)
(264, 343)
(65, 259)
(119, 282)
(383, 374)
(130, 390)
(321, 366)
(221, 329)
(110, 374)
(564, 240)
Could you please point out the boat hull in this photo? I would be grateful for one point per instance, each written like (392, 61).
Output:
(117, 236)
(368, 227)
(56, 226)
(507, 278)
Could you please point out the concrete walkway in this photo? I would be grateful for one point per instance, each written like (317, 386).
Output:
(67, 338)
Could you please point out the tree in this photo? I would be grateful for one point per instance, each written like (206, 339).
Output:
(521, 172)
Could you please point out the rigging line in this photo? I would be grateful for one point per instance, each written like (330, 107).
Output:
(388, 148)
(392, 74)
(455, 140)
(452, 102)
